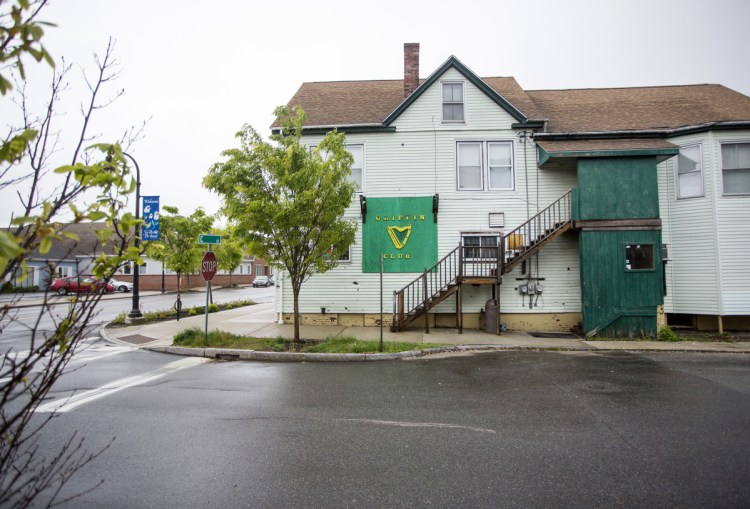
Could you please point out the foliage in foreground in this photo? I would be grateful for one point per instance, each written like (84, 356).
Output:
(92, 185)
(195, 338)
(287, 201)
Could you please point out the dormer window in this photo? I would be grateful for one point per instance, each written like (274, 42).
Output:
(453, 101)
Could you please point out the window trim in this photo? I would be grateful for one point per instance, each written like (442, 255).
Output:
(348, 259)
(312, 148)
(443, 120)
(721, 167)
(625, 246)
(701, 170)
(512, 173)
(482, 234)
(361, 189)
(458, 166)
(484, 154)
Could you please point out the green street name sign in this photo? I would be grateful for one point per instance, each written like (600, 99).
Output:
(209, 239)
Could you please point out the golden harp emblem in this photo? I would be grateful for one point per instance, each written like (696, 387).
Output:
(399, 235)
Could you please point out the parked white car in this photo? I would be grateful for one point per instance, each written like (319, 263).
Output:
(121, 286)
(261, 281)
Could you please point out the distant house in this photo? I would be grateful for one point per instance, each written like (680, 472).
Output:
(71, 258)
(153, 275)
(598, 208)
(67, 256)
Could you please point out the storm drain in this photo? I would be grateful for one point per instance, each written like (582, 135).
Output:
(137, 339)
(228, 356)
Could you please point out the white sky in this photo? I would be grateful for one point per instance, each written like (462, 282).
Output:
(201, 70)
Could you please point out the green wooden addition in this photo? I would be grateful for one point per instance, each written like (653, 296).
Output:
(618, 216)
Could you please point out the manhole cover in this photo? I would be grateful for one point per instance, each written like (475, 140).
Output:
(559, 335)
(137, 339)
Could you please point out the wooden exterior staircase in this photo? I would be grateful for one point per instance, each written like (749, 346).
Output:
(479, 265)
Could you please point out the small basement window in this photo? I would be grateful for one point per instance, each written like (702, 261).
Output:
(639, 257)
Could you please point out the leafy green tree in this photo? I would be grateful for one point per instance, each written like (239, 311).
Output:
(229, 253)
(178, 248)
(288, 202)
(93, 186)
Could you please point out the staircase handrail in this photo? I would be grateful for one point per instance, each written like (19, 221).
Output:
(545, 223)
(434, 280)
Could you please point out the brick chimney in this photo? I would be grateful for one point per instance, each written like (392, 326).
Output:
(411, 67)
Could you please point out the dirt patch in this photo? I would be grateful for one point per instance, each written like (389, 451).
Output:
(558, 335)
(694, 335)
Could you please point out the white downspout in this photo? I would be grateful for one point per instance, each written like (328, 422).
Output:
(280, 298)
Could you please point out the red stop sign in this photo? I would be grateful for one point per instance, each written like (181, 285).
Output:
(209, 266)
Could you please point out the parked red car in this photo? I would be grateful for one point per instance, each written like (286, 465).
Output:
(79, 284)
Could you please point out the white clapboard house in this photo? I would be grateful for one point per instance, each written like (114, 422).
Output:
(603, 209)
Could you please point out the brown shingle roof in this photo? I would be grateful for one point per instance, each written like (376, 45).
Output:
(604, 145)
(68, 249)
(347, 103)
(514, 94)
(647, 108)
(339, 103)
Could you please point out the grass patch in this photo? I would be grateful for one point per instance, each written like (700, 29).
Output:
(195, 338)
(353, 345)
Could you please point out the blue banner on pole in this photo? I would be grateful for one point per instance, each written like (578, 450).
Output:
(150, 228)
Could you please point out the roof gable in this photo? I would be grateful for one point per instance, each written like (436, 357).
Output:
(454, 63)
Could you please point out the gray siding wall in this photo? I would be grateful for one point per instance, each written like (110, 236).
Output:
(708, 236)
(419, 159)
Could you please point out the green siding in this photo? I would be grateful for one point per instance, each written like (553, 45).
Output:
(618, 188)
(616, 302)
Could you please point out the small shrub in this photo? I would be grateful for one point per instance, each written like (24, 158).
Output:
(162, 314)
(195, 311)
(667, 334)
(119, 319)
(213, 308)
(9, 288)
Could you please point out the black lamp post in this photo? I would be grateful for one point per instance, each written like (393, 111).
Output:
(136, 311)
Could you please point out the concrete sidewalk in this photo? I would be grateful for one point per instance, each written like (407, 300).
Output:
(259, 321)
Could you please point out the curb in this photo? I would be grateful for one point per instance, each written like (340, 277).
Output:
(255, 355)
(263, 356)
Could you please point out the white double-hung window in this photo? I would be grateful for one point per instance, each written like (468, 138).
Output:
(735, 168)
(453, 101)
(358, 165)
(358, 153)
(690, 172)
(484, 165)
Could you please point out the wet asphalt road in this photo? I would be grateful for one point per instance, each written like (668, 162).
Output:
(15, 329)
(507, 429)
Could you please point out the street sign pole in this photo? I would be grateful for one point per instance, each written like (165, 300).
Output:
(209, 267)
(208, 292)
